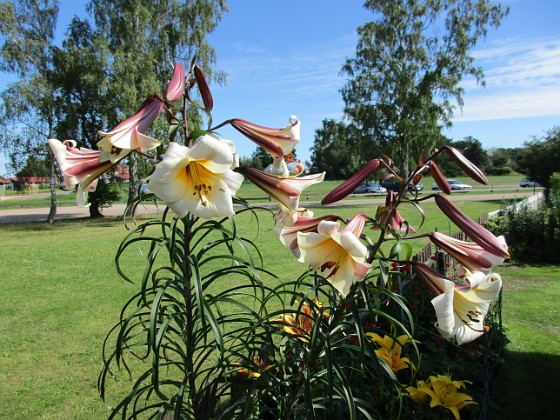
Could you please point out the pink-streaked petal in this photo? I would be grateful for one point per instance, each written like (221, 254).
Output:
(288, 232)
(473, 230)
(123, 136)
(469, 254)
(285, 191)
(351, 183)
(439, 178)
(466, 165)
(430, 278)
(276, 141)
(176, 86)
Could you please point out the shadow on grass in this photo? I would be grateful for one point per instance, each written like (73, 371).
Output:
(527, 387)
(105, 221)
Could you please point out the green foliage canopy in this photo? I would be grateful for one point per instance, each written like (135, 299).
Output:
(406, 77)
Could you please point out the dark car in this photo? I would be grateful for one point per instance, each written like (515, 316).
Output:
(392, 184)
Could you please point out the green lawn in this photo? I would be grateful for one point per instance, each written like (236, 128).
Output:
(527, 383)
(61, 295)
(509, 183)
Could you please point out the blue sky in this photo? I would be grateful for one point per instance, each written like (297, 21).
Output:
(283, 57)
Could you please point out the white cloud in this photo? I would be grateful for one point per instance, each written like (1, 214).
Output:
(522, 77)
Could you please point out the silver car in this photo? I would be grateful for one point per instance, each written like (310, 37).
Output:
(454, 185)
(370, 188)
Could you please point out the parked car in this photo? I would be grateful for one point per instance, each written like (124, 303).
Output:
(528, 183)
(454, 185)
(370, 188)
(392, 184)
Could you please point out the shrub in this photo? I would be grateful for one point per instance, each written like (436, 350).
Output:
(533, 234)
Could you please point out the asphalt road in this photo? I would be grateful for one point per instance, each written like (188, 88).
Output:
(75, 212)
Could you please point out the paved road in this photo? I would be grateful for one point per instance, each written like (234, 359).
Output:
(74, 212)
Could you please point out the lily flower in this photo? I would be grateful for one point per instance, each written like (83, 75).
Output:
(466, 165)
(443, 392)
(337, 253)
(129, 134)
(285, 191)
(460, 309)
(198, 180)
(390, 351)
(351, 183)
(176, 86)
(389, 215)
(279, 142)
(469, 254)
(300, 324)
(416, 393)
(473, 230)
(80, 166)
(246, 372)
(289, 233)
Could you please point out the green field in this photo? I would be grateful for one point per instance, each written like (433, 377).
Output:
(61, 295)
(509, 183)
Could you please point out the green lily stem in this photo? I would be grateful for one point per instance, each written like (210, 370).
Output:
(187, 276)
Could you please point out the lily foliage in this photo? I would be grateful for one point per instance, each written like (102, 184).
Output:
(212, 333)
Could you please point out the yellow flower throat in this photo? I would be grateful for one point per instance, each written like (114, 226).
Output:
(200, 188)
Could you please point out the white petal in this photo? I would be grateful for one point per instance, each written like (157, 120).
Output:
(146, 142)
(212, 153)
(353, 246)
(327, 227)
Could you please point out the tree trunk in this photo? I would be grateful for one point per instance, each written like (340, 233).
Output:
(133, 183)
(94, 211)
(52, 210)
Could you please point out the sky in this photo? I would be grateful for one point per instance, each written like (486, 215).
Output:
(283, 58)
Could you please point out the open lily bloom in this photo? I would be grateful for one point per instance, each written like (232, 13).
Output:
(289, 233)
(81, 166)
(469, 254)
(416, 393)
(337, 254)
(279, 142)
(285, 191)
(460, 309)
(129, 134)
(390, 351)
(443, 392)
(198, 180)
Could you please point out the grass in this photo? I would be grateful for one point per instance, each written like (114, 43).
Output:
(61, 295)
(508, 183)
(528, 379)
